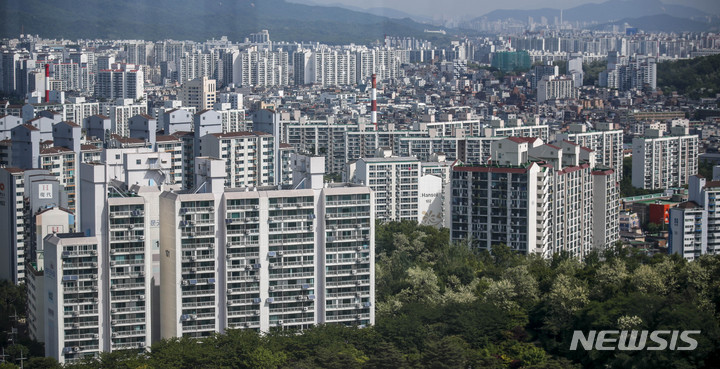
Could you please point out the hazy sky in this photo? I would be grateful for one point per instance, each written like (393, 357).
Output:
(473, 8)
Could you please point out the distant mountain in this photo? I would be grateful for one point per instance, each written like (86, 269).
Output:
(380, 11)
(198, 20)
(663, 23)
(608, 11)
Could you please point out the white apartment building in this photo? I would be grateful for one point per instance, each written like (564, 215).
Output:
(261, 68)
(533, 197)
(265, 258)
(74, 297)
(199, 93)
(695, 224)
(556, 88)
(688, 233)
(120, 111)
(663, 162)
(249, 157)
(605, 141)
(605, 208)
(122, 81)
(394, 180)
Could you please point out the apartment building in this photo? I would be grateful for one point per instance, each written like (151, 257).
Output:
(249, 157)
(695, 224)
(394, 181)
(605, 141)
(74, 297)
(533, 197)
(267, 257)
(660, 161)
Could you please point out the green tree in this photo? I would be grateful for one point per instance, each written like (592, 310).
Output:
(42, 363)
(447, 353)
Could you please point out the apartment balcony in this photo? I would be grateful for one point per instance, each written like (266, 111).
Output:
(121, 322)
(353, 215)
(132, 237)
(198, 257)
(198, 269)
(292, 321)
(291, 275)
(359, 305)
(291, 287)
(291, 241)
(296, 252)
(78, 325)
(116, 226)
(81, 337)
(127, 262)
(127, 345)
(127, 250)
(347, 203)
(348, 283)
(127, 213)
(202, 292)
(126, 286)
(127, 310)
(242, 290)
(198, 246)
(198, 304)
(128, 333)
(67, 265)
(345, 317)
(347, 272)
(295, 309)
(242, 313)
(347, 261)
(244, 278)
(347, 294)
(128, 298)
(242, 231)
(194, 234)
(196, 210)
(198, 328)
(305, 263)
(241, 255)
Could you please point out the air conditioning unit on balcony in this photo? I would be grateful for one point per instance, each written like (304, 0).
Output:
(280, 322)
(257, 312)
(305, 308)
(271, 288)
(113, 322)
(280, 253)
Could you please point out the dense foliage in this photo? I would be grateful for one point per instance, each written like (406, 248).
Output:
(697, 77)
(442, 305)
(592, 70)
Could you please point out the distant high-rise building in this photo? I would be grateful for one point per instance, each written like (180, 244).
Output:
(124, 81)
(199, 93)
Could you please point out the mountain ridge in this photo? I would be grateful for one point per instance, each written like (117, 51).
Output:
(194, 20)
(611, 10)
